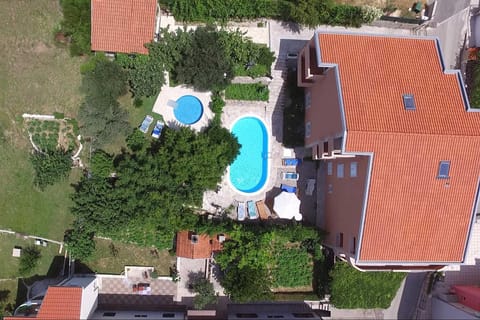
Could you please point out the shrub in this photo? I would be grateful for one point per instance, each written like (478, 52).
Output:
(50, 167)
(370, 13)
(353, 289)
(58, 115)
(28, 260)
(247, 91)
(217, 103)
(76, 24)
(80, 243)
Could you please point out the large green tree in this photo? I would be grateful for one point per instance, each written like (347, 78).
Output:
(28, 260)
(205, 64)
(50, 167)
(156, 188)
(76, 24)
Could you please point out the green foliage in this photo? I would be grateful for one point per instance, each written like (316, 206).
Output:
(247, 91)
(217, 103)
(44, 134)
(106, 80)
(205, 294)
(272, 255)
(80, 243)
(310, 13)
(59, 115)
(28, 260)
(76, 24)
(101, 116)
(294, 113)
(136, 140)
(205, 64)
(367, 290)
(293, 269)
(247, 284)
(101, 164)
(220, 10)
(91, 63)
(474, 89)
(50, 167)
(156, 187)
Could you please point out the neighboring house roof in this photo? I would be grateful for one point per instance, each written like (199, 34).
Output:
(411, 216)
(122, 26)
(61, 303)
(202, 248)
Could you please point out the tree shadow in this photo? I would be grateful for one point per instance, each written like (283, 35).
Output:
(194, 277)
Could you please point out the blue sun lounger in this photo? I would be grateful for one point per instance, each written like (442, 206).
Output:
(157, 130)
(288, 188)
(291, 162)
(252, 210)
(146, 123)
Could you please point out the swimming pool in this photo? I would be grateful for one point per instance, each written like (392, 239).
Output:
(248, 173)
(188, 109)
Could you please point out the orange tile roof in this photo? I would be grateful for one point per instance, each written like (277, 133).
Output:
(61, 303)
(122, 25)
(203, 249)
(410, 215)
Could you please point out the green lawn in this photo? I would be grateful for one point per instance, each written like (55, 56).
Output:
(9, 264)
(26, 209)
(294, 268)
(35, 77)
(108, 259)
(353, 289)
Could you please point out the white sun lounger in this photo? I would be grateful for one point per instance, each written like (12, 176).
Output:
(241, 208)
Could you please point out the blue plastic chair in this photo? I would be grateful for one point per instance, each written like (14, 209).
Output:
(288, 188)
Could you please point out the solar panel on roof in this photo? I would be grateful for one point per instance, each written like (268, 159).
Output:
(409, 102)
(443, 170)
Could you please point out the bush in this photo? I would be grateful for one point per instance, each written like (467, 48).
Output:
(247, 91)
(76, 24)
(50, 167)
(59, 115)
(217, 103)
(28, 260)
(205, 294)
(80, 243)
(353, 289)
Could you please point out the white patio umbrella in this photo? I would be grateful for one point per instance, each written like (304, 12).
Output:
(287, 206)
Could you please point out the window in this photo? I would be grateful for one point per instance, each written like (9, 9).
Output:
(409, 102)
(340, 169)
(247, 315)
(339, 239)
(140, 316)
(325, 147)
(303, 315)
(443, 170)
(308, 128)
(109, 314)
(168, 315)
(353, 245)
(308, 100)
(353, 169)
(329, 168)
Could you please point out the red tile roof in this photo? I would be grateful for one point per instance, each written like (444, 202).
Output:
(202, 249)
(410, 215)
(122, 25)
(61, 303)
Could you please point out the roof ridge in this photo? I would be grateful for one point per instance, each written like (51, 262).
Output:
(414, 133)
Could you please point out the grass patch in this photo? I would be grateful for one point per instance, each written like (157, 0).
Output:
(113, 256)
(24, 208)
(293, 268)
(255, 71)
(293, 113)
(9, 265)
(247, 91)
(353, 289)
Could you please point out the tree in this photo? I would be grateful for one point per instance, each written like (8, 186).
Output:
(106, 80)
(28, 260)
(101, 164)
(76, 24)
(50, 167)
(247, 284)
(205, 64)
(80, 243)
(205, 294)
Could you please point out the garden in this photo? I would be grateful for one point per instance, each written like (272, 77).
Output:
(247, 91)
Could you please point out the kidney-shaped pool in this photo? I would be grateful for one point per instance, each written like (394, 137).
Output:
(249, 171)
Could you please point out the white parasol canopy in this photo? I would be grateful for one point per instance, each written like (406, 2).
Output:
(287, 206)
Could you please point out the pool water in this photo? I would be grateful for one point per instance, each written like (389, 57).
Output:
(248, 173)
(188, 109)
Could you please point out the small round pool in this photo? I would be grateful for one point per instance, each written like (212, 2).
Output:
(248, 173)
(188, 109)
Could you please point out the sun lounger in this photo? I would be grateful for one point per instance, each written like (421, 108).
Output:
(146, 123)
(252, 211)
(262, 212)
(291, 162)
(157, 130)
(241, 211)
(290, 176)
(288, 188)
(310, 187)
